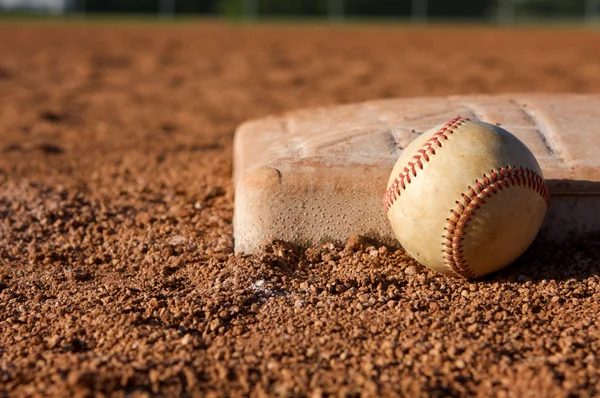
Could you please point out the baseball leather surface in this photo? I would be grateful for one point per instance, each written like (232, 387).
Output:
(466, 198)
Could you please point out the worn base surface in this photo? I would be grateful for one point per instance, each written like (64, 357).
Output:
(318, 175)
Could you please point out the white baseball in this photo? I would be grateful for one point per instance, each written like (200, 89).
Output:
(466, 198)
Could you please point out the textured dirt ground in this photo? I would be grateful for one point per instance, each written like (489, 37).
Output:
(117, 274)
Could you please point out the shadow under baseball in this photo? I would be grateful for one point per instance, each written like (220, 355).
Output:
(577, 258)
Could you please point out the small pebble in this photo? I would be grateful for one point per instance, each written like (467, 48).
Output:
(410, 270)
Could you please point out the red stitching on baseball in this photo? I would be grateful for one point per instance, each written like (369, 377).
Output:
(492, 184)
(399, 184)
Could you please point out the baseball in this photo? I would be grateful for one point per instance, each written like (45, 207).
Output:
(466, 198)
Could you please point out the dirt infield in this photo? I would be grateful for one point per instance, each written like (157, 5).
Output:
(117, 274)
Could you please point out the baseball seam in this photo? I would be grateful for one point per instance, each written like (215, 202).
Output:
(456, 224)
(404, 178)
(472, 199)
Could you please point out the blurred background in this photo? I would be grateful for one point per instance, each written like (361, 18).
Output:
(502, 11)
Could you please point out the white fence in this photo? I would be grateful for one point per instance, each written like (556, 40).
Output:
(52, 6)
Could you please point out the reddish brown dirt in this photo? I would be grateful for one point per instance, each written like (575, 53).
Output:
(117, 274)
